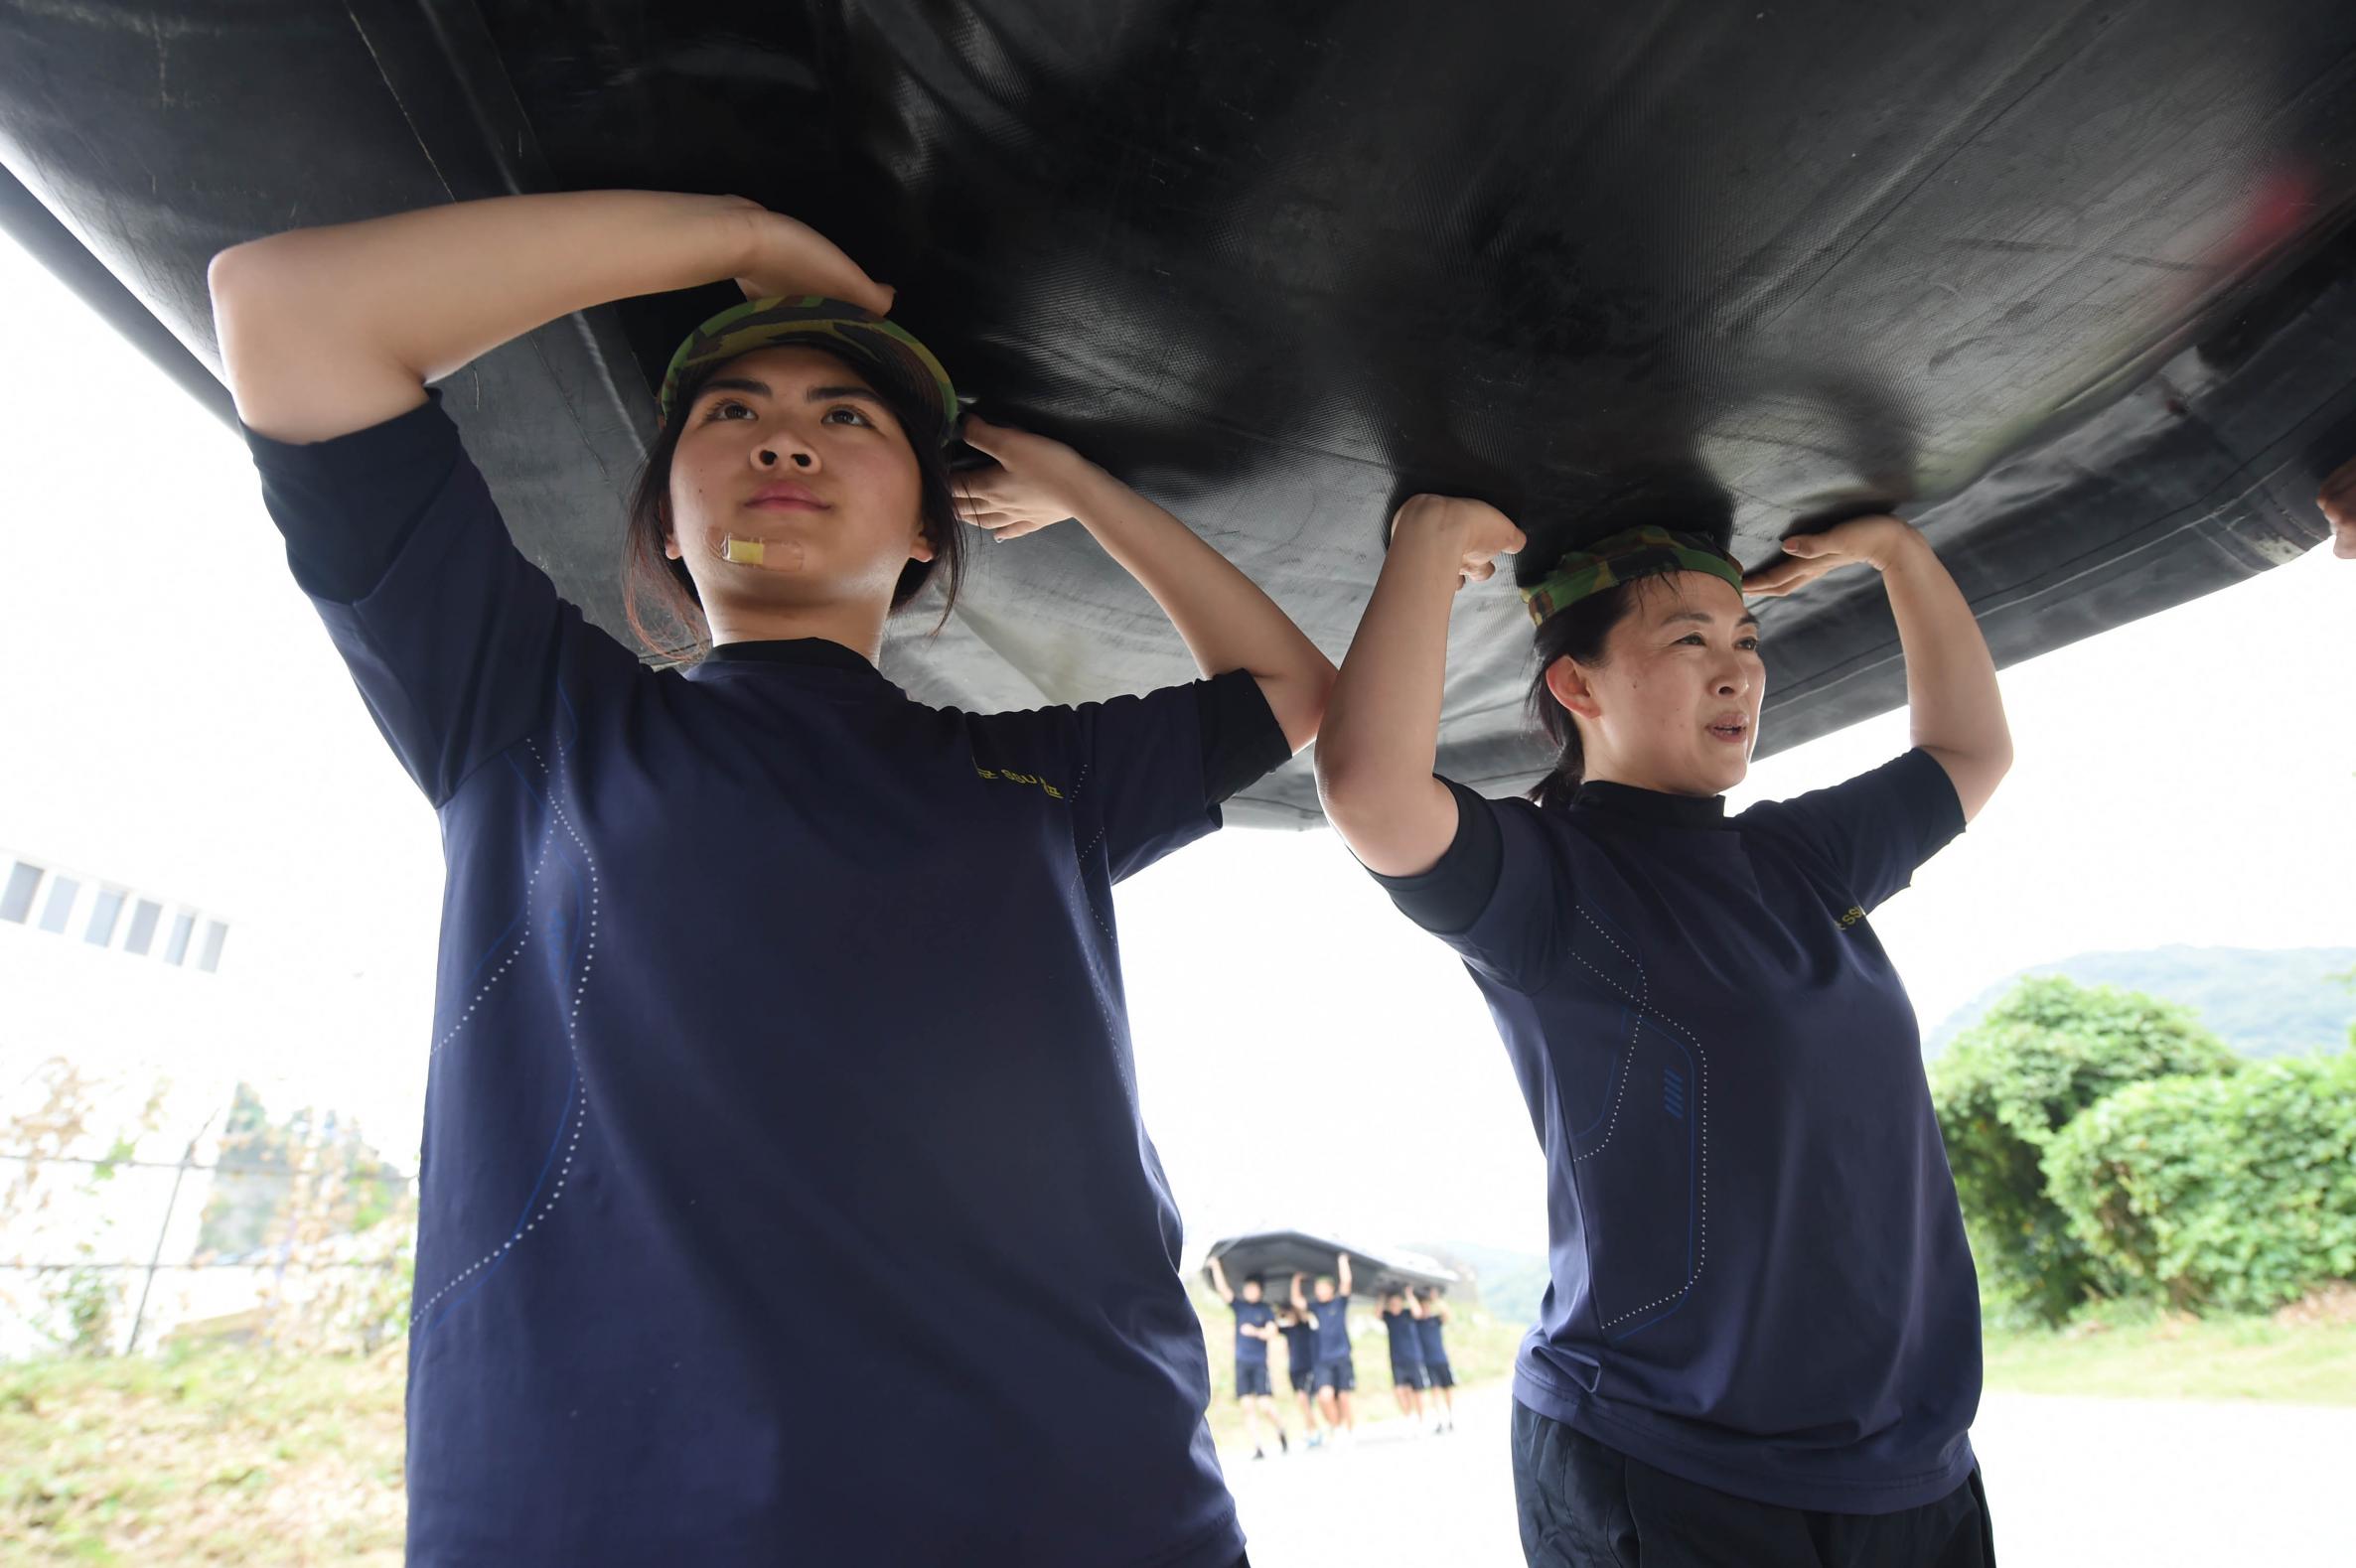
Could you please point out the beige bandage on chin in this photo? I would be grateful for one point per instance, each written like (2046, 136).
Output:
(745, 550)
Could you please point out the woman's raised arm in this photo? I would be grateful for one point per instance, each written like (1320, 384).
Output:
(1224, 619)
(328, 331)
(1954, 708)
(1375, 754)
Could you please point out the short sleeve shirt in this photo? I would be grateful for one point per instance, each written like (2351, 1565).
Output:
(1252, 1350)
(1760, 1280)
(774, 1010)
(1405, 1344)
(1332, 1322)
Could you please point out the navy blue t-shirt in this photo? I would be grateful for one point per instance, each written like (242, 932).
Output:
(1332, 1322)
(1431, 1333)
(1407, 1346)
(1252, 1350)
(775, 1011)
(1300, 1345)
(1759, 1275)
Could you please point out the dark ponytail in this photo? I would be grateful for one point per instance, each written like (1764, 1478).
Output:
(1576, 633)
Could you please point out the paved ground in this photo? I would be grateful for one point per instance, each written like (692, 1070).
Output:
(2071, 1482)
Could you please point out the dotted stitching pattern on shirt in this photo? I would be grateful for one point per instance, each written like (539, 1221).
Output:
(1080, 866)
(572, 1043)
(1635, 1026)
(1644, 1010)
(524, 941)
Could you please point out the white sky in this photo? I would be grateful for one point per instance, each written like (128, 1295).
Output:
(174, 717)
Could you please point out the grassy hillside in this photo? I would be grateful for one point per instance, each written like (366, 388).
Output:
(2305, 1354)
(220, 1455)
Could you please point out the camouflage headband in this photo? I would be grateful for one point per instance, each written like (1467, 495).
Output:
(1622, 558)
(861, 335)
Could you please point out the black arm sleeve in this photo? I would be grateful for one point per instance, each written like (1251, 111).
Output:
(1242, 741)
(1449, 897)
(1874, 830)
(347, 506)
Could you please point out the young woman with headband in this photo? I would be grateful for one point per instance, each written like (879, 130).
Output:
(1761, 1339)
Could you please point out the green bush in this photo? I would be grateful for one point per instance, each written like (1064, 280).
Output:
(2235, 1192)
(2048, 1051)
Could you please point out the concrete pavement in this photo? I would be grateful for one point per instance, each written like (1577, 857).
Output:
(2071, 1482)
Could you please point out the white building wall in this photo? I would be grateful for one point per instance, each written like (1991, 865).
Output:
(156, 1043)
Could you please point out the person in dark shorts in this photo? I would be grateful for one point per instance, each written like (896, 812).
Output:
(1761, 1340)
(1255, 1331)
(1432, 1329)
(1408, 1379)
(1300, 1359)
(753, 970)
(1336, 1375)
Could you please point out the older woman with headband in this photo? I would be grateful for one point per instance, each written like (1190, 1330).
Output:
(1761, 1339)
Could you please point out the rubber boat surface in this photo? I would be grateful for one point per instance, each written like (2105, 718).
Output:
(2069, 284)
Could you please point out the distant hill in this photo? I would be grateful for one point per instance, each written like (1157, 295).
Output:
(2264, 1002)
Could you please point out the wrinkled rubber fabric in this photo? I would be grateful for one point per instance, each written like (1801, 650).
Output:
(2069, 284)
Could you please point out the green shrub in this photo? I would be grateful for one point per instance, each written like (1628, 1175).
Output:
(2048, 1051)
(2235, 1192)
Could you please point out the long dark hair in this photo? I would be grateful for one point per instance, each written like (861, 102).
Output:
(1576, 632)
(657, 593)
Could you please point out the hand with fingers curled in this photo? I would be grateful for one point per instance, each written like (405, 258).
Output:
(1880, 541)
(2339, 501)
(1037, 483)
(1479, 532)
(780, 256)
